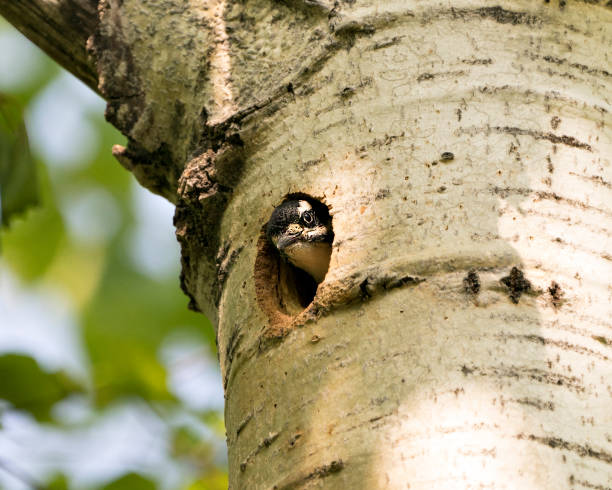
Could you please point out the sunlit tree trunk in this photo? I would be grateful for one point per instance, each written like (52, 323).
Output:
(463, 334)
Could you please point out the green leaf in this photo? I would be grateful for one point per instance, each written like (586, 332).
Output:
(18, 183)
(32, 242)
(130, 481)
(27, 387)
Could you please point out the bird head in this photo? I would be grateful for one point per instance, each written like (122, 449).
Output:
(301, 232)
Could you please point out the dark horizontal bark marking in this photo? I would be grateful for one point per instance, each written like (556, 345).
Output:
(598, 179)
(477, 61)
(584, 483)
(538, 339)
(342, 122)
(533, 320)
(571, 202)
(519, 373)
(583, 332)
(445, 74)
(602, 340)
(602, 322)
(503, 16)
(373, 284)
(386, 42)
(604, 255)
(540, 135)
(311, 163)
(546, 96)
(354, 28)
(267, 441)
(318, 6)
(318, 472)
(570, 220)
(604, 3)
(498, 14)
(558, 443)
(348, 91)
(504, 192)
(579, 66)
(536, 403)
(558, 73)
(380, 142)
(264, 443)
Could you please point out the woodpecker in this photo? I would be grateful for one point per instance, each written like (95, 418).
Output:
(301, 232)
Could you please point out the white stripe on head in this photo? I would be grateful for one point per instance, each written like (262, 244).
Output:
(303, 206)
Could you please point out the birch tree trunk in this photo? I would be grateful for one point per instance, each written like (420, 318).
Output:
(462, 337)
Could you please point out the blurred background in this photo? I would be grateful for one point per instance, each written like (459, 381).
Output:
(107, 381)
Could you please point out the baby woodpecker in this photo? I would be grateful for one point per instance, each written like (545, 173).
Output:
(301, 231)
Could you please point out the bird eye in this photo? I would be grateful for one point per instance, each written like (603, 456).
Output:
(308, 218)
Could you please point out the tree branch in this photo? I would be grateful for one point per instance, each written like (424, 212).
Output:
(60, 28)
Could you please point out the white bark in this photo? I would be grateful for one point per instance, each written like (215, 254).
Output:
(428, 385)
(463, 335)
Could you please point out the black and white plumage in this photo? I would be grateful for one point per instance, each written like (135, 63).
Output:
(301, 231)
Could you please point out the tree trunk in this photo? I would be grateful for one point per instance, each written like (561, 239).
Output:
(463, 334)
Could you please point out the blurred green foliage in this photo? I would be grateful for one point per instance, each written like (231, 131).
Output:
(18, 187)
(131, 481)
(27, 387)
(27, 257)
(124, 316)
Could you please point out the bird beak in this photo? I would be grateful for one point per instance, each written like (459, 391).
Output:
(318, 234)
(286, 240)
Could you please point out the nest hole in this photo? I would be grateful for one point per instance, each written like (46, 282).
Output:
(283, 291)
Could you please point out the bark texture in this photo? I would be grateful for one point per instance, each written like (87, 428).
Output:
(461, 339)
(463, 335)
